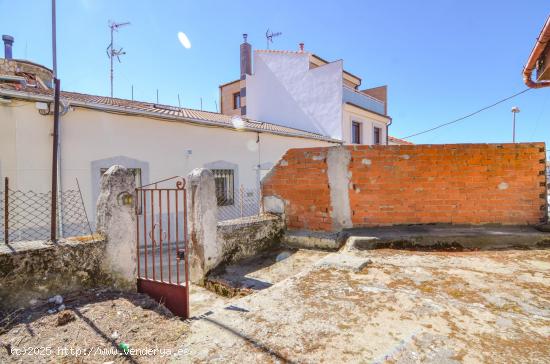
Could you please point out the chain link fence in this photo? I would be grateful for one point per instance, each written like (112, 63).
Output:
(245, 202)
(26, 215)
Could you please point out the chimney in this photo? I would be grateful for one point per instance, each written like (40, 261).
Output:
(246, 58)
(301, 47)
(8, 42)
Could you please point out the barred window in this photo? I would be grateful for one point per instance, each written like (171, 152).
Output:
(225, 189)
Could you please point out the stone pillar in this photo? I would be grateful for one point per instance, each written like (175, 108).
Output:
(204, 251)
(116, 221)
(338, 159)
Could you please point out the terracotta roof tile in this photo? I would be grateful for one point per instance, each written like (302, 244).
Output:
(173, 112)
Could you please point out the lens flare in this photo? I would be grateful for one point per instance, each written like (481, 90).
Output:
(237, 122)
(185, 42)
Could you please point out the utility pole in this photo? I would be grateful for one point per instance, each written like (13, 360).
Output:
(515, 110)
(112, 52)
(55, 146)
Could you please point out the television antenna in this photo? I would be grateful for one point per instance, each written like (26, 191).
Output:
(112, 52)
(269, 36)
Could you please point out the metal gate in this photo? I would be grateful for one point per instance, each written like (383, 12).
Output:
(162, 256)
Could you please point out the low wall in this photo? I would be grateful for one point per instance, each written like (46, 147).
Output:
(246, 237)
(38, 269)
(330, 189)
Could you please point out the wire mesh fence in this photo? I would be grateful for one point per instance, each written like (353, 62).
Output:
(245, 202)
(26, 215)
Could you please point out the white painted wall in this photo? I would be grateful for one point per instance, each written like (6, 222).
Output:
(283, 90)
(160, 146)
(368, 121)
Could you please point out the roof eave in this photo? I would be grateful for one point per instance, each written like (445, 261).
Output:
(119, 109)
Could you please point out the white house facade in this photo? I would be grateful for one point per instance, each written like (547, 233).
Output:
(299, 89)
(156, 141)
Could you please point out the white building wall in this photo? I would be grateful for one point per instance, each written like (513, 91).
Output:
(368, 122)
(92, 139)
(285, 91)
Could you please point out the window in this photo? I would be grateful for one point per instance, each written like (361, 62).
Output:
(224, 180)
(237, 100)
(377, 135)
(355, 132)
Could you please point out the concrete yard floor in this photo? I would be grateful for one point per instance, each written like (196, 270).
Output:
(404, 306)
(202, 300)
(262, 271)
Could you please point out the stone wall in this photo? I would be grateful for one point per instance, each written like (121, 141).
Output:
(328, 189)
(246, 237)
(17, 67)
(215, 243)
(37, 269)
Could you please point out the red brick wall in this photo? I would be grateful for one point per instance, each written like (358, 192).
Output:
(301, 179)
(417, 184)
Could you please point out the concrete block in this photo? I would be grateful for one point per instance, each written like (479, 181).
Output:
(338, 159)
(447, 238)
(313, 239)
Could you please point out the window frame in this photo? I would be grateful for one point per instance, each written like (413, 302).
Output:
(359, 125)
(236, 100)
(228, 198)
(374, 130)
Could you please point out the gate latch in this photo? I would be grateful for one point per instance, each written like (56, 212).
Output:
(180, 254)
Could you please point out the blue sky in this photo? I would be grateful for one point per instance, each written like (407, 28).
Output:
(441, 59)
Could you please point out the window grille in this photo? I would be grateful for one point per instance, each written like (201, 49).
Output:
(225, 189)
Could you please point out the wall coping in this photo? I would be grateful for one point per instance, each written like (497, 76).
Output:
(19, 247)
(242, 221)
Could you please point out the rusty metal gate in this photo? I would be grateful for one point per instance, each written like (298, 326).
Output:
(162, 259)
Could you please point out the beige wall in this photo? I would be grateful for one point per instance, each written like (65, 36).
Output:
(90, 135)
(368, 121)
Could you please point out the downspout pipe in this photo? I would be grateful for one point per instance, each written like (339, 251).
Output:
(540, 45)
(388, 131)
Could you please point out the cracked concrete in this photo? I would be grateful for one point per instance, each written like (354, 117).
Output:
(436, 307)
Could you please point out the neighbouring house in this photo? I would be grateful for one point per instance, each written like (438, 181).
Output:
(155, 141)
(301, 90)
(539, 60)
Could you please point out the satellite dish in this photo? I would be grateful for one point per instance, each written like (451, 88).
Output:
(185, 42)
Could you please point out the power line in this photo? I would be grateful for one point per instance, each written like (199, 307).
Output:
(467, 116)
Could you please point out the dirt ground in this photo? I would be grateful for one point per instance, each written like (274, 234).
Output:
(400, 307)
(99, 322)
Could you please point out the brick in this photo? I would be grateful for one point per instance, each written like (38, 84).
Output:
(454, 183)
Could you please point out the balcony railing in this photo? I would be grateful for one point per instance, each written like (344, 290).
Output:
(365, 101)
